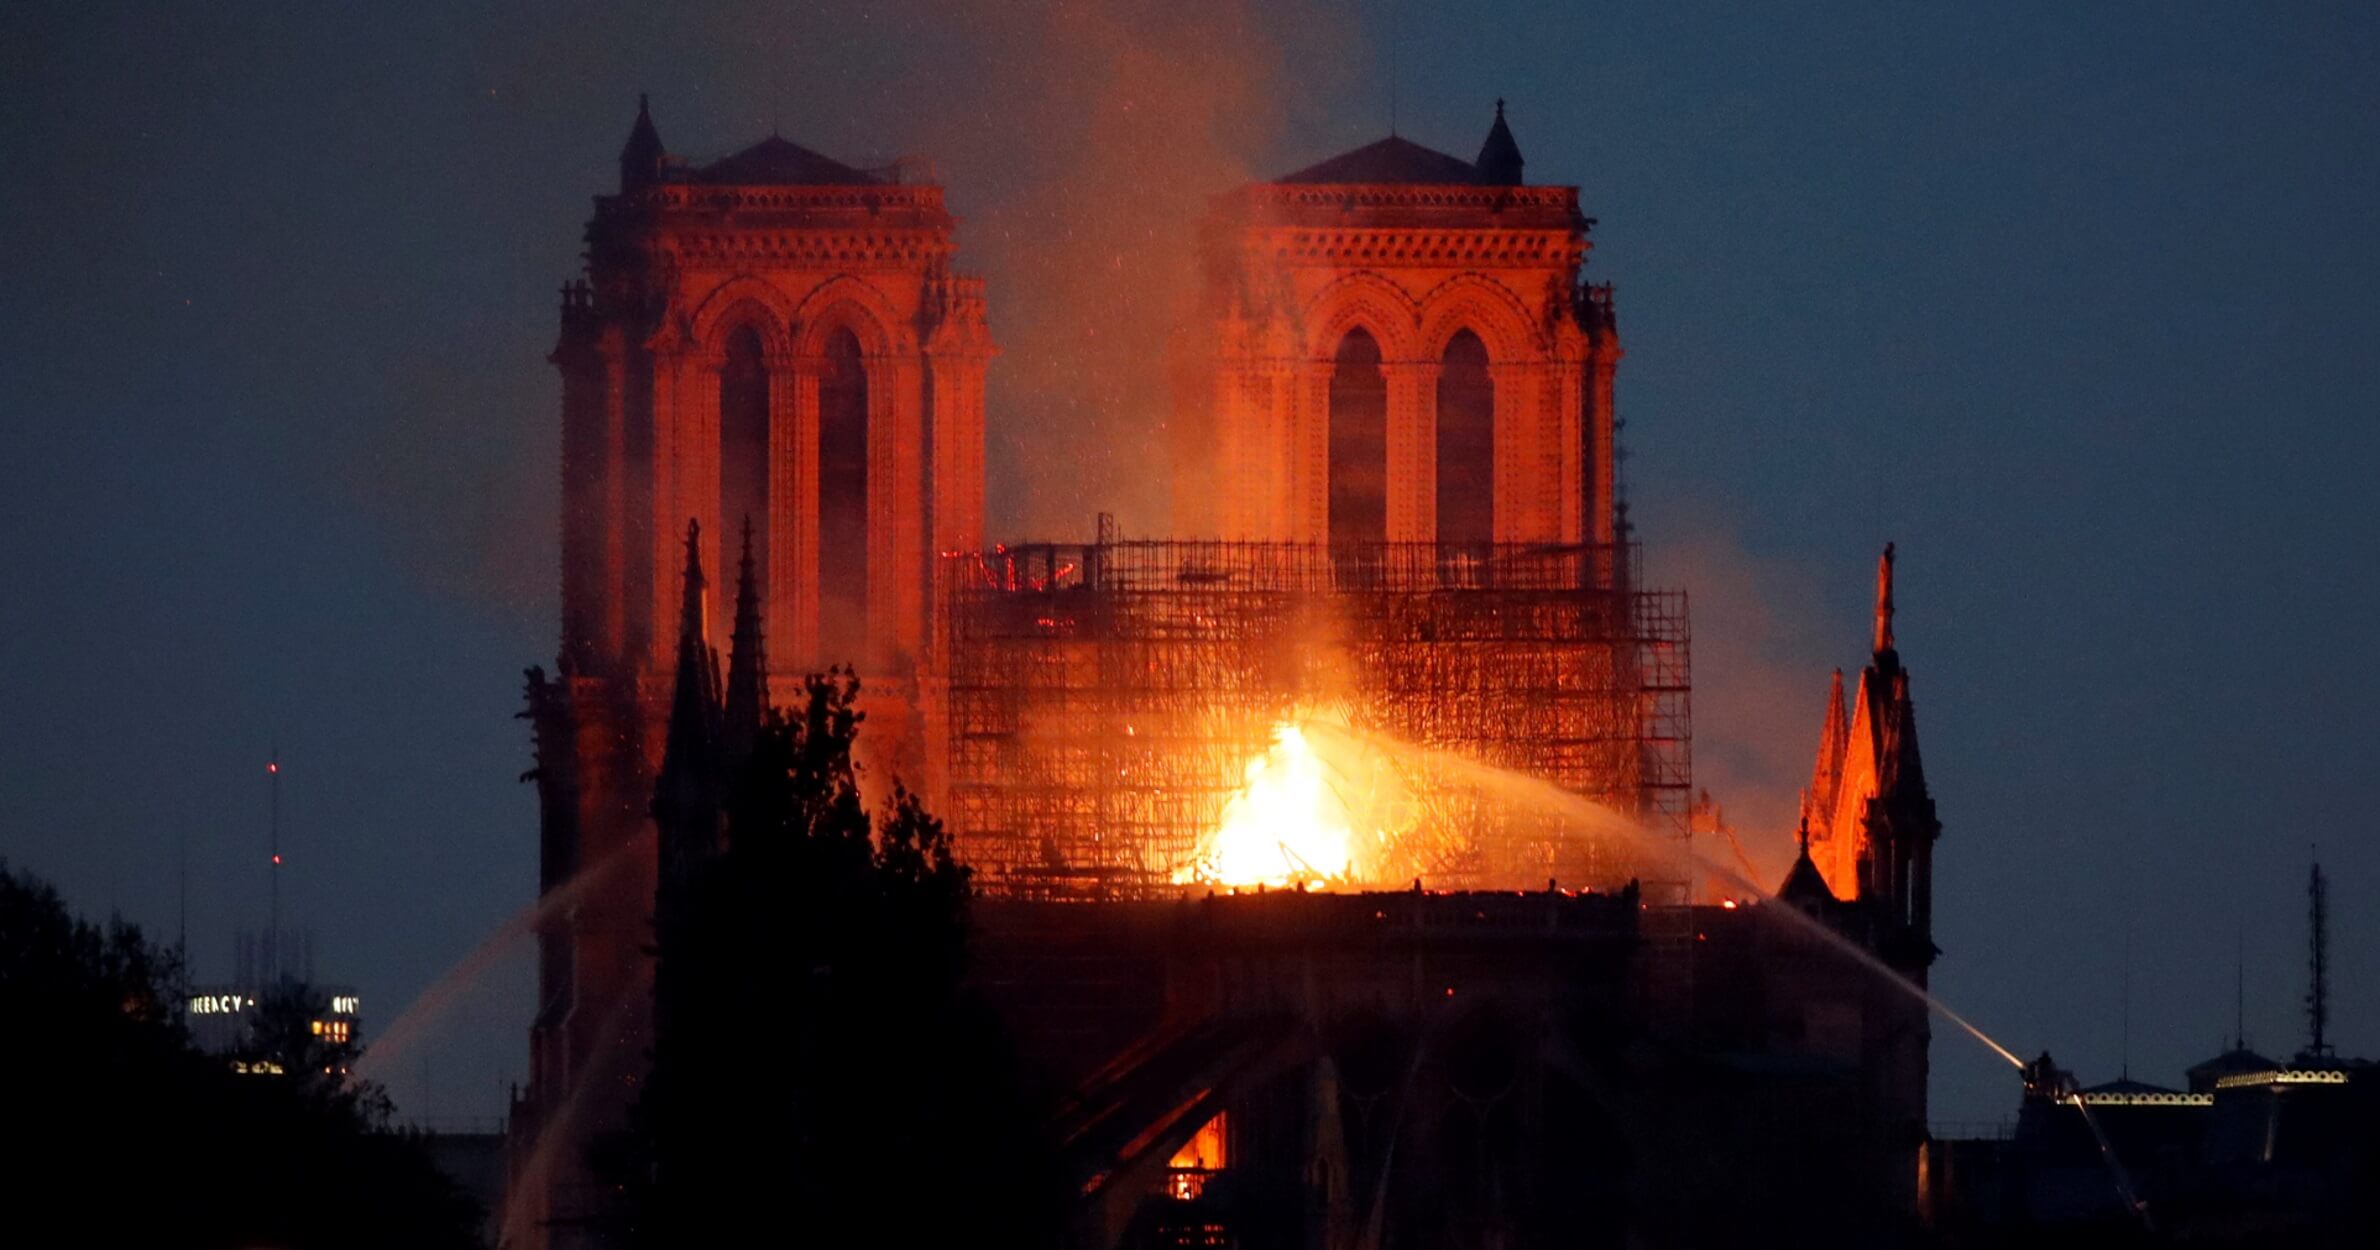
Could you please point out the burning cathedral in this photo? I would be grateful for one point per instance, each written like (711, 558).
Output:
(1334, 856)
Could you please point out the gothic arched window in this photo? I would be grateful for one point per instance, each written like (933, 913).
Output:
(1358, 442)
(744, 453)
(842, 502)
(1466, 448)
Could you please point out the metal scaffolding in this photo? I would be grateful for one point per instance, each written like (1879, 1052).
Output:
(1101, 701)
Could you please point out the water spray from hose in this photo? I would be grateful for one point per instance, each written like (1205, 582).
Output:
(1528, 791)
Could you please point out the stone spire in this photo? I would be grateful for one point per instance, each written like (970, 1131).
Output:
(1903, 765)
(1826, 776)
(747, 662)
(1500, 160)
(687, 785)
(1898, 826)
(1884, 602)
(640, 158)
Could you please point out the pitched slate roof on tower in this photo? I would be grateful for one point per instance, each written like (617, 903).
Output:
(1393, 160)
(780, 162)
(1398, 160)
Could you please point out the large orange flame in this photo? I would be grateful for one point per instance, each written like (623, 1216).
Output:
(1287, 826)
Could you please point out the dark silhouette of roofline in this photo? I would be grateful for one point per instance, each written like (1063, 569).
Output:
(1399, 161)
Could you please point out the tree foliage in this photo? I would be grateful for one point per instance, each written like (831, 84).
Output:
(124, 1133)
(819, 1060)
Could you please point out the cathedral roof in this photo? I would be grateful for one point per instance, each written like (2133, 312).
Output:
(1400, 160)
(780, 162)
(1392, 160)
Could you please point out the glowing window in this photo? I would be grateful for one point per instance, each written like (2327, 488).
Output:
(1205, 1150)
(1199, 1158)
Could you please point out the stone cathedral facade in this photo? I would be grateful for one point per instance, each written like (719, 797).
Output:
(1401, 392)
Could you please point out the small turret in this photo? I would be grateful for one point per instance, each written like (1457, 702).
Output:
(1804, 886)
(640, 157)
(1500, 160)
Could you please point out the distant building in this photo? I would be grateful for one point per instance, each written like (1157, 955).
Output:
(2237, 1061)
(222, 1015)
(2276, 1154)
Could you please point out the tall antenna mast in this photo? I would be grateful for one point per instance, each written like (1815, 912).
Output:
(182, 903)
(272, 933)
(2318, 962)
(1396, 31)
(2239, 988)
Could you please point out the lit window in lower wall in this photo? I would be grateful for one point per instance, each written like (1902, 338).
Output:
(1199, 1158)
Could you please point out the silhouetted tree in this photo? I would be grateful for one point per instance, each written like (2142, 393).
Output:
(819, 1060)
(122, 1132)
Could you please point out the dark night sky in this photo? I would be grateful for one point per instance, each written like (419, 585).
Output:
(2073, 302)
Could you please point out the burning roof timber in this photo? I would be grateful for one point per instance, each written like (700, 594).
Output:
(1106, 701)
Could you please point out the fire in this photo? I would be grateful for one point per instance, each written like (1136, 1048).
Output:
(1288, 825)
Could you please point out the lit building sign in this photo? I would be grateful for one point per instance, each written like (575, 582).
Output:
(233, 1004)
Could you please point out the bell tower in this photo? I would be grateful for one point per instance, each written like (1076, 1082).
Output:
(779, 336)
(1402, 351)
(773, 340)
